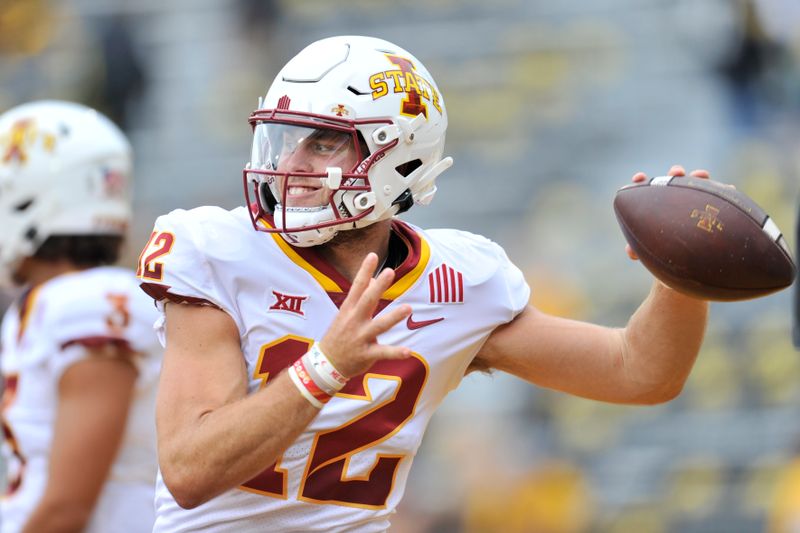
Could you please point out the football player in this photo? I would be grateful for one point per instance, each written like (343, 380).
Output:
(310, 334)
(79, 358)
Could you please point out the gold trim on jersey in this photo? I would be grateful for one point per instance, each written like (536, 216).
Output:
(403, 284)
(26, 306)
(327, 283)
(396, 290)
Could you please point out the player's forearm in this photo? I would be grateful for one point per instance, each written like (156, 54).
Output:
(661, 342)
(232, 444)
(51, 516)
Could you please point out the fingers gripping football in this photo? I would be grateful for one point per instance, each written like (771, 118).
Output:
(351, 341)
(703, 238)
(675, 170)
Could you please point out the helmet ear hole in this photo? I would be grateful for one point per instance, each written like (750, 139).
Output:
(405, 169)
(31, 234)
(22, 206)
(404, 202)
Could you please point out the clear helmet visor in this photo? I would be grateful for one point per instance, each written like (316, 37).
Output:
(296, 159)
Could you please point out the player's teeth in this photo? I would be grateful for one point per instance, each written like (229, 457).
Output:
(299, 190)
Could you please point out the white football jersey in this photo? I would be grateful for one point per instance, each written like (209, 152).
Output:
(348, 470)
(43, 333)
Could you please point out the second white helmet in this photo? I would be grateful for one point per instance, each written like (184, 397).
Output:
(64, 170)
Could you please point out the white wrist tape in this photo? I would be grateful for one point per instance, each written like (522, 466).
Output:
(322, 370)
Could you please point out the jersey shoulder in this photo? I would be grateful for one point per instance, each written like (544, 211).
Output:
(483, 265)
(204, 225)
(195, 256)
(471, 252)
(206, 233)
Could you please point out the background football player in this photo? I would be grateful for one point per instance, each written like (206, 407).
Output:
(79, 358)
(305, 359)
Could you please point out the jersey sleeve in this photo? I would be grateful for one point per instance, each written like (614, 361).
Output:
(183, 262)
(100, 315)
(493, 279)
(517, 290)
(173, 266)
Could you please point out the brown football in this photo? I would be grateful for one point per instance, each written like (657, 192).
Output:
(704, 238)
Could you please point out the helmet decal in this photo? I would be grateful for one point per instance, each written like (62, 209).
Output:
(405, 78)
(115, 183)
(284, 102)
(16, 143)
(340, 110)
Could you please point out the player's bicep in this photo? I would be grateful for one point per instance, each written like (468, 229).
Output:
(203, 367)
(94, 396)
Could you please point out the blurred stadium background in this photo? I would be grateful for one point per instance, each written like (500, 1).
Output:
(553, 106)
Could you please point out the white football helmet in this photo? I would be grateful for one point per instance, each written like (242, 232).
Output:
(64, 170)
(361, 96)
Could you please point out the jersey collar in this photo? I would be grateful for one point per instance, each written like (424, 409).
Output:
(337, 286)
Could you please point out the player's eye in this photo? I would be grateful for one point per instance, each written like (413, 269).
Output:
(327, 148)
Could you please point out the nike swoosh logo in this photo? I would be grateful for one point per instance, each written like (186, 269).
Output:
(413, 324)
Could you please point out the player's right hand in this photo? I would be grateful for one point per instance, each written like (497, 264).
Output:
(675, 170)
(351, 342)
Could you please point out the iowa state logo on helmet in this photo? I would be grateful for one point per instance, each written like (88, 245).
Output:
(15, 144)
(405, 79)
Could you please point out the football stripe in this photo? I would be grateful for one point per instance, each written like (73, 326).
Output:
(771, 229)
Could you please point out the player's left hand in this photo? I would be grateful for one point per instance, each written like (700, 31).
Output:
(351, 342)
(675, 170)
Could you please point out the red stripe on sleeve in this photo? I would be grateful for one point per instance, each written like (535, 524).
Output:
(438, 285)
(446, 284)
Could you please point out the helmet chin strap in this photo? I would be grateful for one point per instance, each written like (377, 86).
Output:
(308, 238)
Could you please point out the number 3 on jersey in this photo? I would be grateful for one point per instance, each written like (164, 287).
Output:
(159, 245)
(325, 478)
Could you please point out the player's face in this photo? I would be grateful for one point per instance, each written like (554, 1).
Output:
(296, 150)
